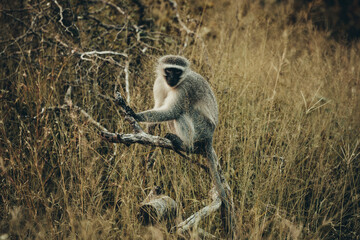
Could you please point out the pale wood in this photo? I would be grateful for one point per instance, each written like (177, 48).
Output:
(201, 214)
(223, 200)
(161, 207)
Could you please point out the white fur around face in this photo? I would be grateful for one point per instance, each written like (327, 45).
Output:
(160, 74)
(160, 91)
(180, 118)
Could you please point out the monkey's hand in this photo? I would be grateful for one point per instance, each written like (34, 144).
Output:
(175, 140)
(128, 110)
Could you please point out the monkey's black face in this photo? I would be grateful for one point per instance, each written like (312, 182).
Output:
(172, 76)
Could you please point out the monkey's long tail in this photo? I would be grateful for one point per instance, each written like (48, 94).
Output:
(224, 190)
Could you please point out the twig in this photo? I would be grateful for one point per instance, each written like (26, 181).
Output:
(114, 6)
(182, 24)
(100, 53)
(61, 14)
(61, 11)
(188, 31)
(69, 103)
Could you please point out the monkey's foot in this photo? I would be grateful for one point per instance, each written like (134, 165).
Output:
(175, 140)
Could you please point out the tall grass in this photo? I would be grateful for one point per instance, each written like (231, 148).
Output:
(289, 131)
(288, 138)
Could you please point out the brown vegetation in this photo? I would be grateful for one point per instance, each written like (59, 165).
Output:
(288, 138)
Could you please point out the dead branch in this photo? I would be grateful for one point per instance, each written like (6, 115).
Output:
(182, 24)
(102, 53)
(68, 105)
(61, 15)
(150, 206)
(114, 6)
(146, 139)
(139, 135)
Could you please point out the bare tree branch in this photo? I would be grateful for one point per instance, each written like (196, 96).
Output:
(225, 202)
(139, 136)
(175, 6)
(114, 6)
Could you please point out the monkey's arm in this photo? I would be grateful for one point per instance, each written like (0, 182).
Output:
(159, 115)
(172, 109)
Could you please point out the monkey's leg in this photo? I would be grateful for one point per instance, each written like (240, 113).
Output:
(176, 141)
(179, 144)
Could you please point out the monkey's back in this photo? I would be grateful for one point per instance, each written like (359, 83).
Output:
(200, 105)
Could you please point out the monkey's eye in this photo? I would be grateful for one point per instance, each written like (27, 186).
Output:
(174, 72)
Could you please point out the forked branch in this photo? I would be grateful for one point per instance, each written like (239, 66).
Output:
(139, 136)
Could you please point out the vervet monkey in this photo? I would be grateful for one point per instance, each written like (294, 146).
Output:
(184, 99)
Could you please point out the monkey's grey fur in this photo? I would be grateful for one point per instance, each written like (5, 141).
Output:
(189, 107)
(191, 111)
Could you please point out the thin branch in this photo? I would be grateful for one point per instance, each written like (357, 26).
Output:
(61, 14)
(182, 24)
(69, 103)
(175, 6)
(61, 11)
(139, 136)
(114, 6)
(70, 106)
(101, 53)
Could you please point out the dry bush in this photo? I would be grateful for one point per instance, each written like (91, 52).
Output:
(288, 136)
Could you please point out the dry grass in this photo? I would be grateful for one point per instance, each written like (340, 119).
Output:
(288, 139)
